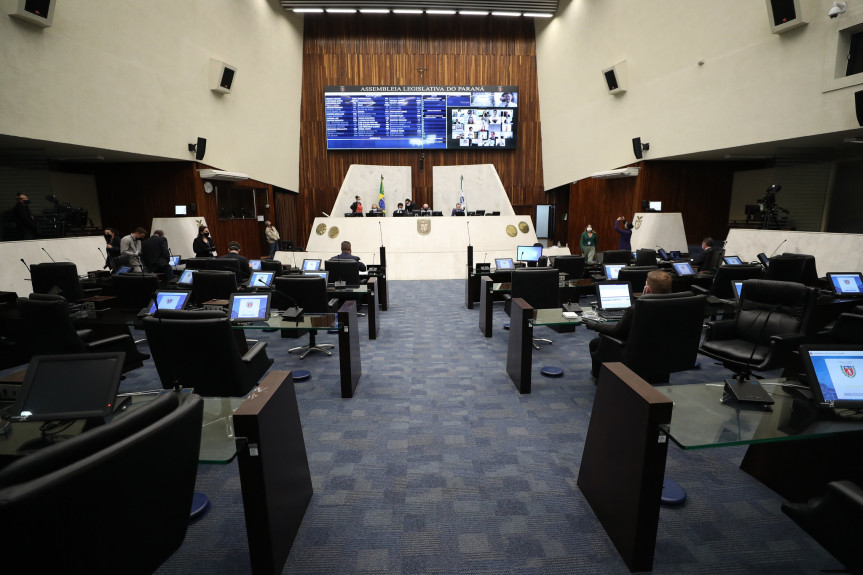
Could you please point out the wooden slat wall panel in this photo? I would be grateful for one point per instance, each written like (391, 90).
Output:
(410, 50)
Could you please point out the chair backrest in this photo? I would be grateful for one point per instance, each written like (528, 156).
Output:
(134, 291)
(665, 334)
(57, 278)
(847, 329)
(786, 268)
(213, 284)
(635, 275)
(809, 276)
(133, 480)
(721, 286)
(645, 257)
(537, 286)
(272, 266)
(47, 327)
(616, 257)
(197, 349)
(573, 266)
(769, 307)
(347, 271)
(306, 291)
(713, 260)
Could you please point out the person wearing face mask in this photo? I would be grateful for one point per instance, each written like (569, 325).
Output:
(204, 246)
(112, 247)
(588, 244)
(25, 221)
(131, 246)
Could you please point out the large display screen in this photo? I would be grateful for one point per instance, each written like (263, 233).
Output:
(421, 117)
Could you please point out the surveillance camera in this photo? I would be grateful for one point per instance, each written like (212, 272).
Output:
(838, 8)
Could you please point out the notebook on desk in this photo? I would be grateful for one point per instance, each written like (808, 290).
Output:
(846, 284)
(834, 374)
(613, 299)
(246, 308)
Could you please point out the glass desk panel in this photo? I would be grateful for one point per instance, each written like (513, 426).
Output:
(699, 420)
(552, 316)
(309, 322)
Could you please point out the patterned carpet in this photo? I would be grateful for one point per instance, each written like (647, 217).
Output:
(438, 465)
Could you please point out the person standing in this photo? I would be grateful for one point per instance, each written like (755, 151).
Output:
(112, 248)
(624, 228)
(204, 246)
(131, 246)
(357, 206)
(588, 244)
(156, 256)
(26, 223)
(272, 238)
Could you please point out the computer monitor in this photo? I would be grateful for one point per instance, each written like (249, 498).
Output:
(174, 261)
(169, 300)
(737, 288)
(503, 263)
(655, 206)
(321, 273)
(249, 306)
(186, 276)
(528, 253)
(70, 386)
(180, 210)
(675, 254)
(613, 295)
(261, 279)
(846, 284)
(255, 264)
(833, 373)
(311, 265)
(612, 270)
(732, 261)
(123, 270)
(683, 269)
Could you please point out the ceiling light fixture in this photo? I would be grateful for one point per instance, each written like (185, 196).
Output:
(537, 15)
(374, 11)
(448, 12)
(309, 10)
(342, 10)
(407, 11)
(506, 13)
(472, 13)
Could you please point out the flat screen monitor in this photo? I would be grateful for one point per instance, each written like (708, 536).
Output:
(528, 253)
(503, 263)
(321, 273)
(180, 210)
(311, 265)
(654, 206)
(169, 300)
(261, 279)
(737, 286)
(255, 264)
(833, 373)
(249, 306)
(675, 254)
(612, 270)
(71, 386)
(846, 284)
(186, 276)
(613, 295)
(174, 261)
(732, 261)
(123, 270)
(421, 117)
(683, 269)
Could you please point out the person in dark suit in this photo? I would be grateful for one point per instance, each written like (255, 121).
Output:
(457, 210)
(410, 206)
(347, 255)
(24, 220)
(357, 206)
(155, 255)
(204, 246)
(658, 282)
(706, 251)
(400, 210)
(234, 253)
(112, 248)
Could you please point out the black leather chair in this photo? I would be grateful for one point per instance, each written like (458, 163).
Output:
(309, 293)
(636, 276)
(835, 521)
(211, 284)
(616, 257)
(128, 482)
(539, 287)
(573, 266)
(59, 278)
(199, 349)
(663, 337)
(645, 257)
(848, 328)
(134, 291)
(773, 319)
(47, 328)
(721, 287)
(274, 266)
(347, 271)
(794, 268)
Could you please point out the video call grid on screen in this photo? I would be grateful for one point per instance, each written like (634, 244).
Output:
(420, 117)
(837, 373)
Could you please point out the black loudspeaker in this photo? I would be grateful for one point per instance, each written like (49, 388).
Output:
(38, 12)
(638, 149)
(193, 208)
(611, 80)
(858, 102)
(200, 148)
(221, 76)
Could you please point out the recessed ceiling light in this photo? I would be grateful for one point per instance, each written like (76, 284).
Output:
(311, 10)
(472, 13)
(537, 15)
(374, 11)
(450, 12)
(506, 13)
(407, 11)
(342, 10)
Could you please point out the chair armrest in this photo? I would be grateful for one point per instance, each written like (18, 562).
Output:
(697, 289)
(84, 334)
(612, 340)
(722, 329)
(788, 339)
(333, 303)
(257, 350)
(109, 341)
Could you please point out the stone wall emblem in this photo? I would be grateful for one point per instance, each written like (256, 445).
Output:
(424, 226)
(523, 227)
(334, 232)
(511, 231)
(321, 229)
(637, 223)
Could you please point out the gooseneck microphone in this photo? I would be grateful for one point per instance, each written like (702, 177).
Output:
(777, 247)
(381, 228)
(52, 259)
(103, 256)
(26, 266)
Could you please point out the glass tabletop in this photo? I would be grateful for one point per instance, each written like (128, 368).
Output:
(552, 316)
(308, 322)
(701, 420)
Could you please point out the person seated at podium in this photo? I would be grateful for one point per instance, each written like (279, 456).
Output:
(658, 282)
(426, 210)
(624, 228)
(245, 266)
(357, 206)
(706, 250)
(411, 206)
(374, 209)
(155, 255)
(346, 255)
(457, 210)
(204, 246)
(400, 210)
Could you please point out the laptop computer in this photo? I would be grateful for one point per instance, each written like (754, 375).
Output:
(683, 269)
(255, 264)
(311, 265)
(261, 279)
(611, 270)
(174, 261)
(834, 374)
(245, 308)
(846, 284)
(186, 277)
(613, 299)
(169, 300)
(732, 261)
(503, 263)
(71, 386)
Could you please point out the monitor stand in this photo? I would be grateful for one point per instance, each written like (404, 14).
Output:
(747, 392)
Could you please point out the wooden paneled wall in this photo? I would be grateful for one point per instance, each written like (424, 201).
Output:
(417, 50)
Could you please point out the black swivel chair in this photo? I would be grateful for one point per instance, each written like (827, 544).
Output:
(635, 275)
(773, 319)
(199, 349)
(134, 291)
(48, 330)
(663, 338)
(573, 266)
(539, 287)
(722, 288)
(310, 293)
(130, 481)
(212, 284)
(616, 257)
(347, 271)
(274, 266)
(59, 278)
(792, 267)
(645, 257)
(848, 328)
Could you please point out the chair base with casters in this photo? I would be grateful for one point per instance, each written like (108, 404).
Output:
(307, 349)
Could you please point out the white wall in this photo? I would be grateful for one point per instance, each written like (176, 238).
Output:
(753, 86)
(133, 76)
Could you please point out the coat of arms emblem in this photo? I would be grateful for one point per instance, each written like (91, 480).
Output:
(424, 226)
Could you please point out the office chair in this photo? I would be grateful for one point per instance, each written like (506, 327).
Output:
(272, 266)
(792, 267)
(721, 287)
(539, 287)
(309, 293)
(848, 328)
(636, 276)
(616, 257)
(573, 266)
(134, 291)
(663, 338)
(199, 349)
(835, 521)
(47, 328)
(213, 284)
(645, 257)
(78, 505)
(347, 271)
(773, 319)
(59, 278)
(713, 260)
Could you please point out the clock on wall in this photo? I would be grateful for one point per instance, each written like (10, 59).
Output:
(208, 187)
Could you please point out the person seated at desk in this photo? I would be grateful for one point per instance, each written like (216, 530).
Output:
(374, 209)
(426, 210)
(706, 251)
(658, 282)
(411, 206)
(156, 256)
(346, 255)
(457, 210)
(400, 210)
(245, 266)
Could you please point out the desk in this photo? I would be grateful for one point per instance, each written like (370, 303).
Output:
(519, 356)
(472, 283)
(489, 289)
(368, 292)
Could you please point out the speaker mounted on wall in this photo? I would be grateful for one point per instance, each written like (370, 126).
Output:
(784, 15)
(638, 148)
(200, 148)
(616, 78)
(221, 76)
(858, 103)
(37, 12)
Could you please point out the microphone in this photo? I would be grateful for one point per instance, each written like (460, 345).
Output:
(295, 312)
(103, 257)
(26, 266)
(468, 231)
(771, 255)
(484, 256)
(381, 228)
(294, 256)
(373, 258)
(52, 259)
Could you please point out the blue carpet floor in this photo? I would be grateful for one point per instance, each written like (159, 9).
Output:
(439, 465)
